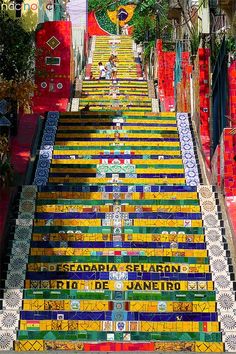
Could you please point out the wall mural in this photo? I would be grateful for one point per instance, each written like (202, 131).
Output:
(102, 23)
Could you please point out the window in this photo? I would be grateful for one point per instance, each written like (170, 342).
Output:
(53, 60)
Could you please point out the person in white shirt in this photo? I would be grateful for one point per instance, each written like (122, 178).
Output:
(125, 31)
(108, 68)
(102, 71)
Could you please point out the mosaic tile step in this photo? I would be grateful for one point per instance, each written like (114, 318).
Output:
(102, 90)
(123, 126)
(134, 84)
(102, 336)
(99, 175)
(65, 251)
(114, 275)
(111, 345)
(138, 133)
(79, 236)
(179, 296)
(119, 259)
(119, 117)
(113, 316)
(118, 267)
(133, 306)
(94, 96)
(115, 106)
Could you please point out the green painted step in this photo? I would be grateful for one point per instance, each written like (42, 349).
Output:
(127, 230)
(161, 167)
(135, 336)
(128, 295)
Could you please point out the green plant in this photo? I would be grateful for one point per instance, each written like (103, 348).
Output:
(96, 5)
(194, 42)
(6, 173)
(144, 29)
(16, 60)
(231, 44)
(150, 21)
(17, 49)
(147, 50)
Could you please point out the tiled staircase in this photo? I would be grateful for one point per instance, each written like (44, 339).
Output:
(129, 92)
(123, 95)
(120, 46)
(118, 246)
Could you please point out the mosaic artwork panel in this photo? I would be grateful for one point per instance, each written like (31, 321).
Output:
(190, 164)
(45, 154)
(13, 295)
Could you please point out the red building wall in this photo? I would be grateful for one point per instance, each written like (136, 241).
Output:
(227, 160)
(165, 75)
(53, 79)
(94, 28)
(232, 92)
(204, 98)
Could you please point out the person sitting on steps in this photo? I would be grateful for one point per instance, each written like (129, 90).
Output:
(102, 71)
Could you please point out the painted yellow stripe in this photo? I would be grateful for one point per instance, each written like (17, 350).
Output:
(118, 144)
(128, 113)
(159, 181)
(136, 127)
(69, 222)
(95, 170)
(109, 98)
(123, 67)
(134, 196)
(97, 161)
(167, 222)
(86, 119)
(125, 285)
(172, 252)
(122, 90)
(126, 208)
(119, 267)
(134, 306)
(136, 222)
(138, 85)
(97, 106)
(111, 135)
(109, 106)
(143, 326)
(160, 114)
(109, 237)
(120, 96)
(100, 151)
